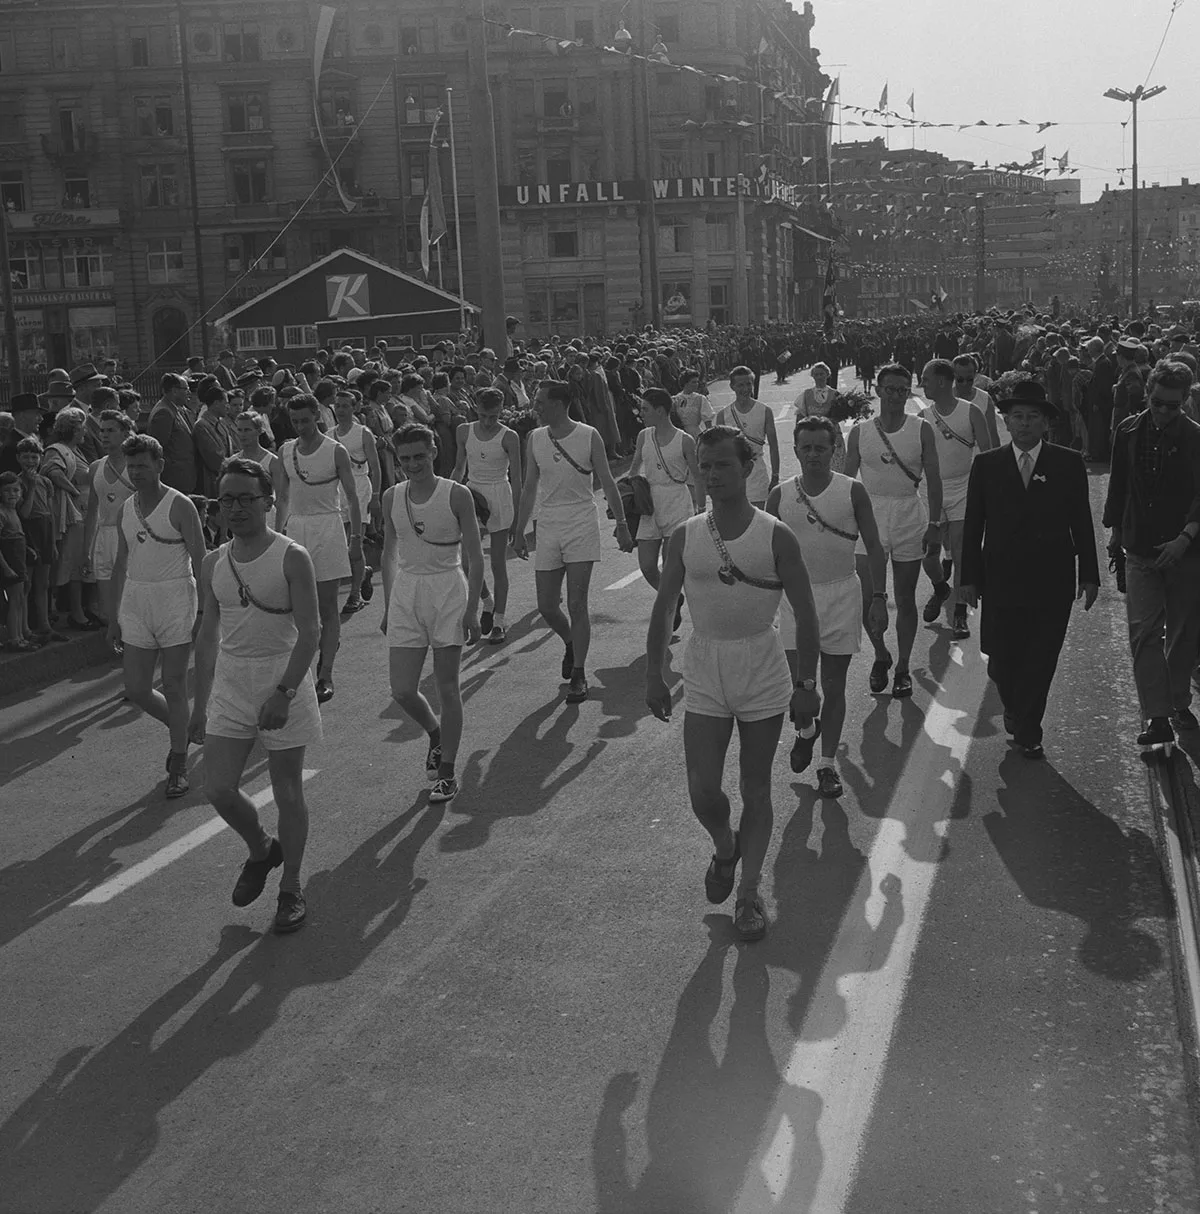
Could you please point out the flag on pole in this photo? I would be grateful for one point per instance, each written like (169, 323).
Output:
(828, 116)
(325, 20)
(1064, 161)
(433, 208)
(1038, 154)
(883, 98)
(912, 97)
(829, 298)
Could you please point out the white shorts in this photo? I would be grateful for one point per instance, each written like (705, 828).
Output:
(902, 523)
(363, 485)
(104, 552)
(746, 679)
(759, 484)
(839, 614)
(673, 507)
(954, 500)
(158, 615)
(241, 686)
(498, 495)
(325, 538)
(426, 610)
(565, 539)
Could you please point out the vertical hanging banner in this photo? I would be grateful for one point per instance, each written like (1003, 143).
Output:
(829, 299)
(325, 21)
(433, 208)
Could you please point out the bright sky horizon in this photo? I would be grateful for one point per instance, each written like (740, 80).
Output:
(965, 60)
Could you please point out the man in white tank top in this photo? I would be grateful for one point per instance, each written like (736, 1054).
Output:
(489, 461)
(666, 457)
(110, 490)
(757, 424)
(960, 431)
(311, 473)
(427, 520)
(159, 550)
(735, 563)
(563, 458)
(260, 627)
(828, 513)
(969, 385)
(892, 454)
(364, 460)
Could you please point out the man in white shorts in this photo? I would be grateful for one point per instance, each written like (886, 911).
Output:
(259, 632)
(961, 430)
(310, 476)
(828, 513)
(892, 454)
(734, 563)
(364, 460)
(110, 491)
(489, 460)
(563, 457)
(970, 385)
(428, 604)
(666, 456)
(159, 550)
(757, 425)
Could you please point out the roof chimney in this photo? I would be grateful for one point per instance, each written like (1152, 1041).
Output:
(1184, 181)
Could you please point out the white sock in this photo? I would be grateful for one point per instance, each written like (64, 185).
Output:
(807, 731)
(829, 761)
(498, 619)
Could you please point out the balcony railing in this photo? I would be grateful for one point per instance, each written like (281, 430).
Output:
(80, 145)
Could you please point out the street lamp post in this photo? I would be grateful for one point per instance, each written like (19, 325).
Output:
(1141, 93)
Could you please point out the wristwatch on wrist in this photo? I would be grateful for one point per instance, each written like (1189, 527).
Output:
(879, 594)
(806, 685)
(289, 692)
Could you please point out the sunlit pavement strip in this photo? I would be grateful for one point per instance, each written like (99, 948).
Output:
(625, 581)
(844, 1071)
(172, 852)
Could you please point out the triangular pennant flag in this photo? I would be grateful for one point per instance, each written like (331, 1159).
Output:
(883, 98)
(911, 99)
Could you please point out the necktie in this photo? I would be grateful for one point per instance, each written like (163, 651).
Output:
(1026, 467)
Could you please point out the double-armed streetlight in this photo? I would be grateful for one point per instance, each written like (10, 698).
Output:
(1141, 93)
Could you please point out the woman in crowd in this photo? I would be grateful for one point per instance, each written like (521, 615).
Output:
(67, 471)
(817, 402)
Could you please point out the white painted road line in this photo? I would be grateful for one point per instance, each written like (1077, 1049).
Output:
(169, 854)
(838, 1062)
(625, 581)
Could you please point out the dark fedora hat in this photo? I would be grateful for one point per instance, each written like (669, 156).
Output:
(25, 402)
(1028, 392)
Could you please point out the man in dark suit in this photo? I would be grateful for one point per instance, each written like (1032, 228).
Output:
(171, 423)
(1029, 549)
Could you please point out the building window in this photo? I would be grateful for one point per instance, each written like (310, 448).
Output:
(12, 120)
(720, 233)
(240, 42)
(70, 128)
(160, 185)
(675, 236)
(585, 96)
(564, 242)
(337, 105)
(556, 99)
(585, 29)
(139, 47)
(422, 103)
(418, 35)
(256, 339)
(250, 181)
(533, 242)
(523, 101)
(12, 189)
(300, 337)
(558, 167)
(8, 54)
(527, 166)
(25, 266)
(154, 116)
(416, 166)
(593, 240)
(89, 266)
(714, 161)
(254, 253)
(666, 22)
(564, 307)
(64, 48)
(77, 192)
(245, 112)
(164, 261)
(668, 89)
(671, 163)
(718, 303)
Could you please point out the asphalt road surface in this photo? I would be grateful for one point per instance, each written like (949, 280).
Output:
(522, 1001)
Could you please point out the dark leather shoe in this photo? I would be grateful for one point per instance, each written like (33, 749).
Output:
(254, 875)
(1183, 719)
(1158, 732)
(1032, 752)
(1010, 724)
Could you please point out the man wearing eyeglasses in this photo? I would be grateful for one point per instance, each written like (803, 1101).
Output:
(1153, 509)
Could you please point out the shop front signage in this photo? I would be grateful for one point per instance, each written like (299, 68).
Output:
(33, 221)
(43, 299)
(665, 189)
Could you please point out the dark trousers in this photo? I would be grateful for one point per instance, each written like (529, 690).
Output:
(1023, 644)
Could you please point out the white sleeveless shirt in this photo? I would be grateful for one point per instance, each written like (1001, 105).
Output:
(664, 465)
(156, 549)
(314, 482)
(955, 449)
(829, 557)
(562, 489)
(247, 632)
(487, 461)
(877, 468)
(428, 537)
(752, 423)
(728, 613)
(352, 440)
(111, 495)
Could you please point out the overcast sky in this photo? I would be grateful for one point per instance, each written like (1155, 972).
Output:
(1044, 60)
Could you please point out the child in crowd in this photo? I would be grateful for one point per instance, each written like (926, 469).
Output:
(13, 568)
(37, 521)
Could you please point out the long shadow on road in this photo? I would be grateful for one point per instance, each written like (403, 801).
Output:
(94, 1121)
